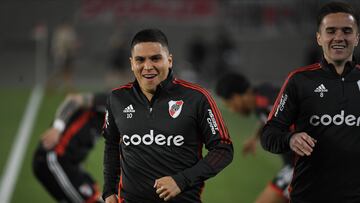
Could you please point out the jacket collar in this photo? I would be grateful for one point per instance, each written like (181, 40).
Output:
(168, 81)
(163, 84)
(330, 68)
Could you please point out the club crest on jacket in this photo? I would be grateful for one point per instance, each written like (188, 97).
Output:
(175, 108)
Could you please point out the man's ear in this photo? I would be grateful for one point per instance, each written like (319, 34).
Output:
(318, 38)
(131, 63)
(357, 39)
(170, 59)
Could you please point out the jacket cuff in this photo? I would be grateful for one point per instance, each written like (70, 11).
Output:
(181, 181)
(287, 140)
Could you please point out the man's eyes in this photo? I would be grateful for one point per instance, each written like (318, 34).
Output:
(347, 30)
(330, 31)
(344, 30)
(155, 58)
(139, 60)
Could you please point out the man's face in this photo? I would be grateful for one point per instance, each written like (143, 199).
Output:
(338, 36)
(150, 62)
(238, 103)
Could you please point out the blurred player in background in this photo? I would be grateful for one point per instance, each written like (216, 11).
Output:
(64, 147)
(240, 97)
(64, 46)
(322, 100)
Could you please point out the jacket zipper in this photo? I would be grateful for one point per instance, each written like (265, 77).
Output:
(151, 103)
(343, 86)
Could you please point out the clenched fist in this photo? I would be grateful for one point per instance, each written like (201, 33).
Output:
(166, 188)
(302, 144)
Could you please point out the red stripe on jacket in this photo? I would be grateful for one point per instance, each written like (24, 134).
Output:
(306, 68)
(120, 199)
(222, 128)
(127, 86)
(71, 131)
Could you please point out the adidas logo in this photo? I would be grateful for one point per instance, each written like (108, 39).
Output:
(321, 89)
(129, 109)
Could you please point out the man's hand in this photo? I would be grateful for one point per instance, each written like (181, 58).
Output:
(50, 138)
(111, 199)
(249, 146)
(302, 144)
(166, 188)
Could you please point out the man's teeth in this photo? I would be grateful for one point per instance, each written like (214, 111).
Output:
(149, 75)
(338, 46)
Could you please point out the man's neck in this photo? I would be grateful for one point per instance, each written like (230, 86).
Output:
(339, 67)
(148, 94)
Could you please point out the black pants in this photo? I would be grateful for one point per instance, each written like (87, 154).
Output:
(65, 181)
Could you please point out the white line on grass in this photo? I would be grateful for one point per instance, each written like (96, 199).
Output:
(16, 156)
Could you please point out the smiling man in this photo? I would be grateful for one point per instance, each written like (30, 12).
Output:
(322, 100)
(155, 129)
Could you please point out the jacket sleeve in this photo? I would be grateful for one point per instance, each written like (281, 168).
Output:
(215, 136)
(276, 135)
(111, 154)
(71, 104)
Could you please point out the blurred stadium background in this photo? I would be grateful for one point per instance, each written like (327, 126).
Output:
(263, 39)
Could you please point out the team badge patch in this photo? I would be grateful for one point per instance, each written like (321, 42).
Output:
(175, 108)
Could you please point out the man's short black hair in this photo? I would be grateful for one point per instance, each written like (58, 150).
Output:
(150, 35)
(232, 83)
(336, 7)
